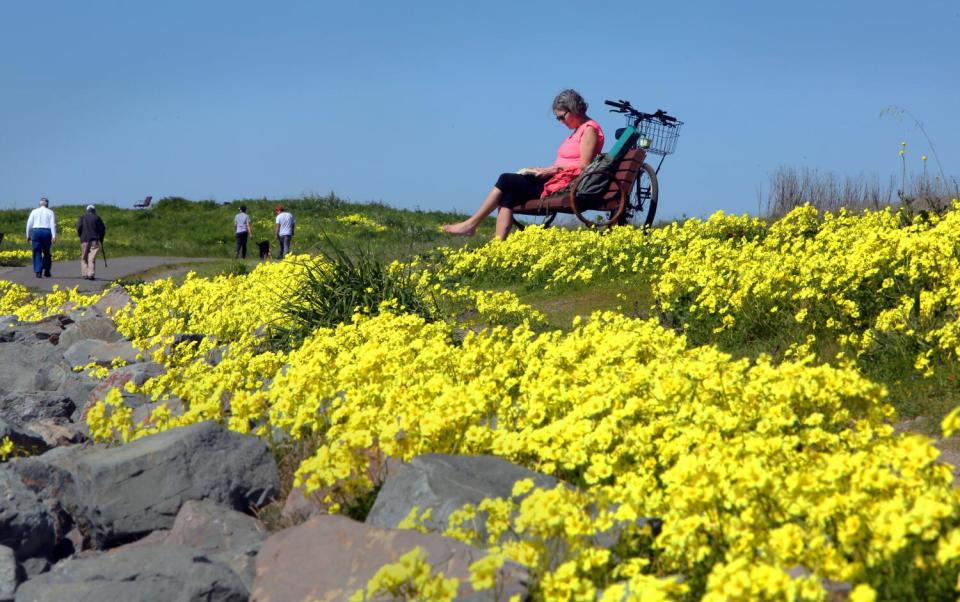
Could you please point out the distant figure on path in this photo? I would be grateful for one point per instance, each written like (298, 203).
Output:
(512, 189)
(42, 233)
(91, 230)
(285, 227)
(241, 222)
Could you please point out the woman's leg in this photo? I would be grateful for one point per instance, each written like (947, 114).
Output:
(504, 222)
(469, 226)
(511, 189)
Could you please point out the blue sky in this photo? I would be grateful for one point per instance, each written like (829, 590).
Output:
(423, 104)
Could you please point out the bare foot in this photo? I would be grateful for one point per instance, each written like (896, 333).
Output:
(459, 229)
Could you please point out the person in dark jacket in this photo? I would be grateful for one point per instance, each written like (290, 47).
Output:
(91, 230)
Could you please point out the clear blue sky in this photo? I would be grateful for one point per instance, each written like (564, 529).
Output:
(423, 104)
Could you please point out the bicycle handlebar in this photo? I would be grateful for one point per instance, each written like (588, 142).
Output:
(623, 106)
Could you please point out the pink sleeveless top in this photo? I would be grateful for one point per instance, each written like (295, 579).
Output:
(568, 158)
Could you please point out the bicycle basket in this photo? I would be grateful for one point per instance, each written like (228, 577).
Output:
(661, 135)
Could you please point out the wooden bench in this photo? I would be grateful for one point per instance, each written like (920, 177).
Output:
(614, 202)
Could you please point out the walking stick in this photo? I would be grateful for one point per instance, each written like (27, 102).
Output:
(103, 251)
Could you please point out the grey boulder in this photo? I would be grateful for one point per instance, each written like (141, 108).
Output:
(30, 406)
(114, 300)
(147, 574)
(45, 331)
(223, 535)
(117, 379)
(10, 574)
(31, 367)
(446, 483)
(100, 352)
(118, 494)
(330, 557)
(26, 525)
(89, 325)
(24, 441)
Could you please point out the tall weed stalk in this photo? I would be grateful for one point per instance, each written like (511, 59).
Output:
(332, 291)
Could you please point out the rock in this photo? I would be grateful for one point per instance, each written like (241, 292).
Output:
(31, 367)
(115, 299)
(8, 320)
(30, 406)
(76, 386)
(134, 575)
(47, 330)
(26, 525)
(24, 441)
(118, 378)
(92, 326)
(118, 494)
(141, 412)
(221, 534)
(330, 557)
(10, 574)
(86, 351)
(836, 591)
(180, 339)
(446, 483)
(33, 567)
(299, 507)
(59, 432)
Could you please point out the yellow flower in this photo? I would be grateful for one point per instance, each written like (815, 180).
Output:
(863, 593)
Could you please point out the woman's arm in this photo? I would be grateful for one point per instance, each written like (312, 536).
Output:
(545, 172)
(589, 146)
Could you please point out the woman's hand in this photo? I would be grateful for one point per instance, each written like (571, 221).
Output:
(545, 172)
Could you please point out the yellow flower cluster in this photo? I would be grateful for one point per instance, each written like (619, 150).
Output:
(767, 475)
(355, 219)
(7, 449)
(874, 284)
(18, 301)
(781, 464)
(409, 578)
(25, 256)
(12, 297)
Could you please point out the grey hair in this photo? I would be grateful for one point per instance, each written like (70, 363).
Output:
(570, 100)
(44, 202)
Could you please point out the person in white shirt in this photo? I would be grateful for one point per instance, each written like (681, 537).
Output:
(42, 233)
(243, 229)
(285, 227)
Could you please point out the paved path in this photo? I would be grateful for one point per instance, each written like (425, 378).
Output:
(67, 273)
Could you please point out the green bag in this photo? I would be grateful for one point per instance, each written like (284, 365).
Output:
(596, 177)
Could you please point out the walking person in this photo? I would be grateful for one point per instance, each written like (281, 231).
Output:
(91, 230)
(42, 233)
(285, 228)
(243, 229)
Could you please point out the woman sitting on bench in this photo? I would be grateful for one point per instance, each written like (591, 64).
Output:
(513, 189)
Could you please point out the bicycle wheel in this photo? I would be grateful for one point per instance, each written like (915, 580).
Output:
(643, 201)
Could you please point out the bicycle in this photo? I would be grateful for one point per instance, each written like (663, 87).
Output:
(658, 133)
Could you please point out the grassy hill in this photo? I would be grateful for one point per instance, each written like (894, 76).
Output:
(179, 227)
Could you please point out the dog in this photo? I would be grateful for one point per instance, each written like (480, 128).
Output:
(264, 246)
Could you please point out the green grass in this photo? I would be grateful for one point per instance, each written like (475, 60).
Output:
(177, 227)
(563, 305)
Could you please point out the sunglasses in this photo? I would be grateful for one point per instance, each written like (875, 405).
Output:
(563, 117)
